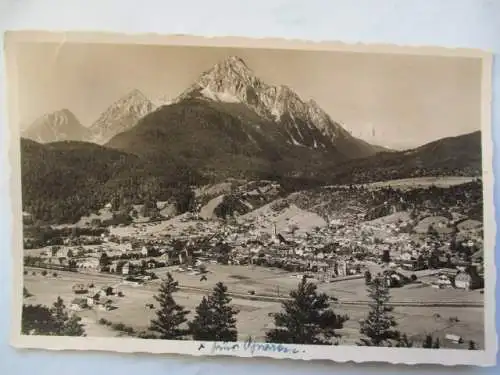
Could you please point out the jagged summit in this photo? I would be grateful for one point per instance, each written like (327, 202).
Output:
(121, 116)
(230, 80)
(304, 122)
(233, 66)
(134, 94)
(234, 62)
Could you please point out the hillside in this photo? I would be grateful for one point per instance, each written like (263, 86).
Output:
(62, 180)
(229, 123)
(218, 139)
(453, 156)
(302, 122)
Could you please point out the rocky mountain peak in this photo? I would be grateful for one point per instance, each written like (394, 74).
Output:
(305, 123)
(65, 112)
(231, 80)
(235, 63)
(61, 125)
(121, 116)
(135, 95)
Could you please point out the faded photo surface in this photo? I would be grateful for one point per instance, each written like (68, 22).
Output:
(278, 200)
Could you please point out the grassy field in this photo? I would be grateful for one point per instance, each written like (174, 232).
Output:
(254, 318)
(442, 181)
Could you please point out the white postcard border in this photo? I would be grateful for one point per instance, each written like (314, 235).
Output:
(341, 354)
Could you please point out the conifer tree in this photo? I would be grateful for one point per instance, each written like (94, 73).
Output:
(60, 315)
(378, 327)
(65, 325)
(202, 326)
(368, 277)
(306, 319)
(437, 344)
(37, 320)
(55, 321)
(170, 315)
(215, 317)
(73, 327)
(404, 342)
(427, 344)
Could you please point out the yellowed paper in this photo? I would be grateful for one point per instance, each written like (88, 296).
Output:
(253, 163)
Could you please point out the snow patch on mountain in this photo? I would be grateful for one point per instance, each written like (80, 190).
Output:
(223, 96)
(232, 81)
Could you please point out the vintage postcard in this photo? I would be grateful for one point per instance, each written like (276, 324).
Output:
(252, 198)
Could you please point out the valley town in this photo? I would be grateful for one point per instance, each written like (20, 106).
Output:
(421, 237)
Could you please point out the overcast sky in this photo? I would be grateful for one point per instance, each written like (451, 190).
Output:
(398, 101)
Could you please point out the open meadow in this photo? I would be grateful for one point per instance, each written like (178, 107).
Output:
(254, 318)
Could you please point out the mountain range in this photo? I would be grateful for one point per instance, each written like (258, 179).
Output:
(64, 126)
(230, 82)
(451, 156)
(228, 123)
(61, 125)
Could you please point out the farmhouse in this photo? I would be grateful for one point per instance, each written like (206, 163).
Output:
(443, 281)
(89, 264)
(105, 306)
(463, 280)
(469, 279)
(126, 269)
(453, 338)
(80, 289)
(78, 304)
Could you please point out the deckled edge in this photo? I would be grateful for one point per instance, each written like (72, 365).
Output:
(339, 354)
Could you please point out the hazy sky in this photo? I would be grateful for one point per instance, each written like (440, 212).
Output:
(397, 101)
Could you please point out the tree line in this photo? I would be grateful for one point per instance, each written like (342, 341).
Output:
(49, 321)
(306, 318)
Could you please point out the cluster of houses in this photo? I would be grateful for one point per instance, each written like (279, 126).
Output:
(89, 297)
(337, 249)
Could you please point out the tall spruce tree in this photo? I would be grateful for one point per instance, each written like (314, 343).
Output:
(170, 316)
(378, 327)
(437, 344)
(202, 326)
(404, 342)
(54, 321)
(306, 319)
(427, 344)
(59, 313)
(215, 317)
(64, 324)
(73, 327)
(37, 320)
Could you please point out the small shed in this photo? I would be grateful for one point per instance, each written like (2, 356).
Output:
(463, 280)
(80, 289)
(454, 338)
(78, 304)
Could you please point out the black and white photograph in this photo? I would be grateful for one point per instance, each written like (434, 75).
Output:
(251, 198)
